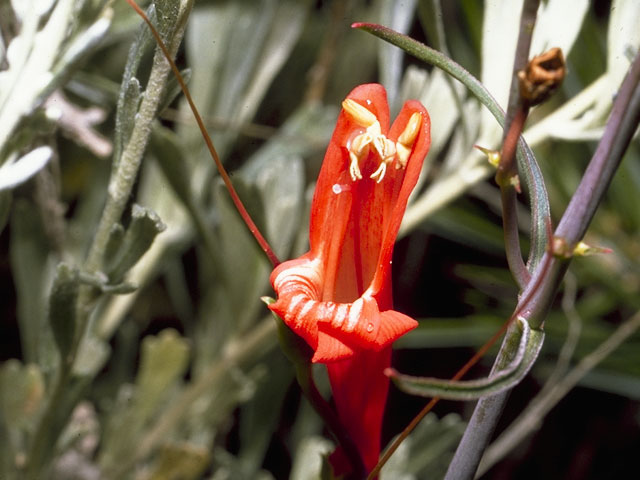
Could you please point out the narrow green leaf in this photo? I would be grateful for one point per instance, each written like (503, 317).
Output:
(21, 395)
(245, 269)
(129, 96)
(62, 307)
(277, 171)
(186, 462)
(168, 12)
(144, 227)
(126, 115)
(114, 244)
(257, 423)
(165, 146)
(431, 445)
(5, 208)
(29, 251)
(527, 344)
(164, 359)
(233, 74)
(173, 89)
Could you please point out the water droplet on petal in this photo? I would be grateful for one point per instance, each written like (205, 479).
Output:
(339, 188)
(370, 327)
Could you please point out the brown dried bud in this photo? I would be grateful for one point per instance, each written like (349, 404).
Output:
(543, 75)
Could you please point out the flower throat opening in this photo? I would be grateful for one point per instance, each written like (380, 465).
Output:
(372, 138)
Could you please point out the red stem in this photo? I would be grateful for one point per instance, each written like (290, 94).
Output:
(207, 139)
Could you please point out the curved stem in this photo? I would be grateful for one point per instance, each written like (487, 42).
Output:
(515, 119)
(266, 248)
(542, 289)
(454, 185)
(530, 419)
(120, 186)
(508, 173)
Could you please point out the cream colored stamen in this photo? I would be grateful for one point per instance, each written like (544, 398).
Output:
(360, 114)
(372, 137)
(407, 138)
(387, 152)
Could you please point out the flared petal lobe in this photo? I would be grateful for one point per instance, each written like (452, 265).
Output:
(334, 330)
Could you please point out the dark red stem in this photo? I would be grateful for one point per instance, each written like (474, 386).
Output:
(214, 154)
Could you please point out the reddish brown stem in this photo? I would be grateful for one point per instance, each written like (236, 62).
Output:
(522, 306)
(266, 248)
(507, 179)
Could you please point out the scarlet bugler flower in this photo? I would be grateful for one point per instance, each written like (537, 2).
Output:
(337, 297)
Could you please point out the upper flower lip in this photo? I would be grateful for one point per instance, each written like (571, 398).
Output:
(338, 295)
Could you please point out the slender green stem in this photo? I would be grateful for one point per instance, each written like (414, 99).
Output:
(126, 169)
(264, 245)
(124, 176)
(119, 191)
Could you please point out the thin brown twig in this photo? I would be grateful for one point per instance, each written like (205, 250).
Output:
(483, 421)
(506, 175)
(542, 289)
(522, 305)
(266, 248)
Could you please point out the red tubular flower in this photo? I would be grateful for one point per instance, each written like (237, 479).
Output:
(337, 297)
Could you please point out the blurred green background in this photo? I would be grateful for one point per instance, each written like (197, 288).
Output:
(178, 373)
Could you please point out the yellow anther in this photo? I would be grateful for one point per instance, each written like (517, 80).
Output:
(360, 114)
(403, 155)
(373, 137)
(410, 132)
(407, 138)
